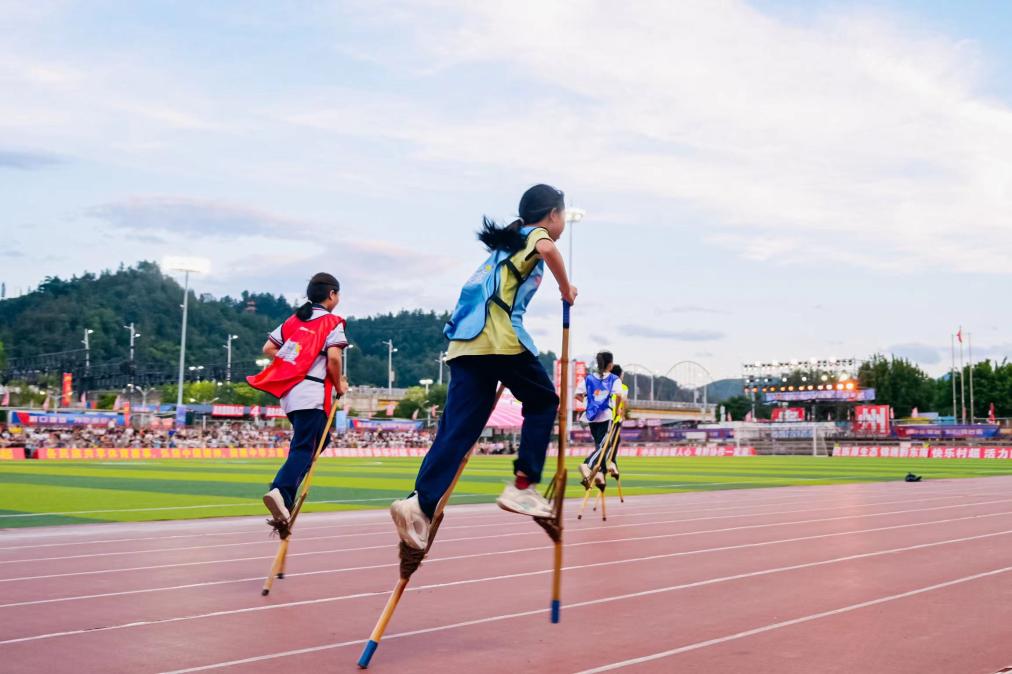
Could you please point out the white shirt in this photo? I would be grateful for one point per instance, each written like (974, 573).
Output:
(608, 412)
(308, 394)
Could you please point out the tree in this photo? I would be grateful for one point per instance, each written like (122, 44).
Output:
(738, 407)
(898, 383)
(415, 400)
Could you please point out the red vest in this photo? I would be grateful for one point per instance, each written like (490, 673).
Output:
(304, 341)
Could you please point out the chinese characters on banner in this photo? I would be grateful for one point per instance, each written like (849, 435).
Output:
(872, 419)
(788, 414)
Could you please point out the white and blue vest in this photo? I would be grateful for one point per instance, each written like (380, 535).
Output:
(599, 393)
(482, 291)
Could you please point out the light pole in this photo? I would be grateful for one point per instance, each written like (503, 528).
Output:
(133, 337)
(228, 361)
(573, 216)
(390, 365)
(441, 360)
(426, 383)
(347, 350)
(196, 370)
(186, 265)
(87, 349)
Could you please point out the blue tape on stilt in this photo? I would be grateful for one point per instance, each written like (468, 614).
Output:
(370, 648)
(565, 314)
(556, 607)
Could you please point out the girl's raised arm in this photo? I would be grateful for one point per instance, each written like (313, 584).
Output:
(549, 252)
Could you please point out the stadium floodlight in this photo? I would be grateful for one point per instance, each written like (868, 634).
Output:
(187, 265)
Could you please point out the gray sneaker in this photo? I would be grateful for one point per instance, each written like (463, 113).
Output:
(524, 502)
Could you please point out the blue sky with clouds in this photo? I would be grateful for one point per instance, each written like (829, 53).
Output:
(762, 180)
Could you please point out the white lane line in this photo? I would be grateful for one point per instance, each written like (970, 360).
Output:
(502, 535)
(795, 621)
(359, 595)
(644, 593)
(498, 525)
(383, 520)
(697, 500)
(251, 504)
(494, 553)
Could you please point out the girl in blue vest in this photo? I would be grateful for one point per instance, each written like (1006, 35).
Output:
(603, 389)
(488, 345)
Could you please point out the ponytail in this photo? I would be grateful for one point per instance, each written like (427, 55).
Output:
(536, 204)
(604, 359)
(506, 237)
(317, 291)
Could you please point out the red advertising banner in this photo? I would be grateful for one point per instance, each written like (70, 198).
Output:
(12, 453)
(126, 413)
(140, 453)
(685, 451)
(273, 412)
(901, 452)
(68, 389)
(228, 411)
(788, 414)
(872, 419)
(579, 382)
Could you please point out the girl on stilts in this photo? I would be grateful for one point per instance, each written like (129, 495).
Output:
(604, 389)
(488, 345)
(306, 371)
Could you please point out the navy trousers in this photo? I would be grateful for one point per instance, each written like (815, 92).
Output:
(307, 426)
(599, 431)
(469, 402)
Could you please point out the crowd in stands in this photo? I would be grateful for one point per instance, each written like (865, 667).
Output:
(218, 435)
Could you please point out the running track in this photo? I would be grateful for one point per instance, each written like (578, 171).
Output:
(887, 577)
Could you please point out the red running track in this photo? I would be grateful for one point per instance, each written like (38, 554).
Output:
(888, 577)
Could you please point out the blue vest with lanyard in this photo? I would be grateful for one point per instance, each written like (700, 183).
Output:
(482, 291)
(599, 394)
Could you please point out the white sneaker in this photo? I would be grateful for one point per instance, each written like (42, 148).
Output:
(276, 505)
(599, 479)
(585, 474)
(412, 524)
(524, 502)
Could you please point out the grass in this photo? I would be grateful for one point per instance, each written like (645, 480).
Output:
(43, 493)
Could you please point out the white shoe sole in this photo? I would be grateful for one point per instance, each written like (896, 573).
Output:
(276, 511)
(403, 524)
(505, 506)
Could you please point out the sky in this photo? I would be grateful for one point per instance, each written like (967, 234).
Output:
(762, 180)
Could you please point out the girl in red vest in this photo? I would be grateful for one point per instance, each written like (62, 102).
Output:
(306, 369)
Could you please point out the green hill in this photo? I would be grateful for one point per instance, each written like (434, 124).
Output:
(42, 331)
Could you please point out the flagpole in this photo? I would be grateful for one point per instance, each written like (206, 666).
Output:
(962, 377)
(969, 340)
(952, 376)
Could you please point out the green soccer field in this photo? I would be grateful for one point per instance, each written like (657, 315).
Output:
(36, 493)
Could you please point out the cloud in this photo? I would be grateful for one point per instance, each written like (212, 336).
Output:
(693, 309)
(917, 352)
(650, 332)
(28, 161)
(181, 215)
(11, 252)
(852, 136)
